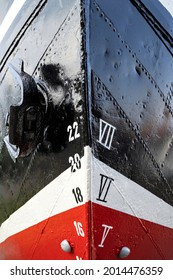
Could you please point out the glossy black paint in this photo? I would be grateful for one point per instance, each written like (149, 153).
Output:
(131, 89)
(53, 77)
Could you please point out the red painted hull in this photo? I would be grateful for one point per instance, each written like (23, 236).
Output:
(42, 241)
(147, 240)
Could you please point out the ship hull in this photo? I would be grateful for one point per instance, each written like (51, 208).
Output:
(86, 131)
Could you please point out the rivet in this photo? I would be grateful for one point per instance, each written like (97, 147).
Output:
(138, 70)
(65, 246)
(124, 253)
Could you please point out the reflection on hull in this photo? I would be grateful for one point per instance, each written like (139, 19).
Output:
(86, 131)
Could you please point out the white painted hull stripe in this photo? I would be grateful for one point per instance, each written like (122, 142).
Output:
(10, 16)
(55, 198)
(168, 4)
(124, 195)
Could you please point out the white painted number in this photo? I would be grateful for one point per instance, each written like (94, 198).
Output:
(73, 131)
(75, 162)
(79, 229)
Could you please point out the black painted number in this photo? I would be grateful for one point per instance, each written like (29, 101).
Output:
(78, 195)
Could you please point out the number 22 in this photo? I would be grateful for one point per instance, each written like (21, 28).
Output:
(73, 131)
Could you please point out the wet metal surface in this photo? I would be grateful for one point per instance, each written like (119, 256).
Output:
(132, 92)
(110, 75)
(52, 53)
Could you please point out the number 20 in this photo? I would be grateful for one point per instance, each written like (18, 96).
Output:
(75, 162)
